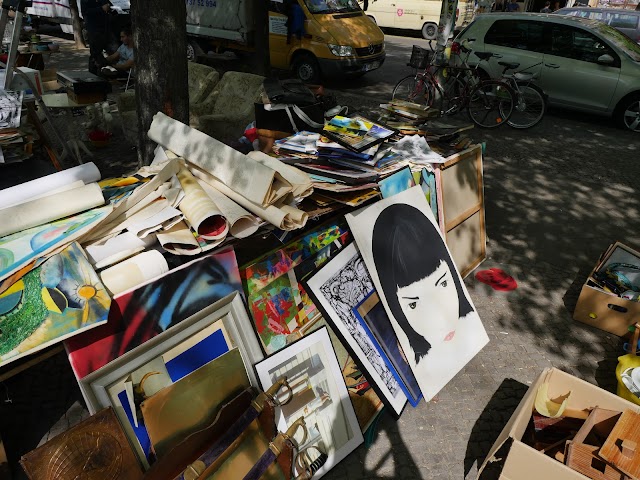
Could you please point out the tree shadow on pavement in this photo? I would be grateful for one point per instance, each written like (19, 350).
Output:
(491, 421)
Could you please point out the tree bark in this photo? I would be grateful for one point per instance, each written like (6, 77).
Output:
(76, 21)
(261, 19)
(161, 75)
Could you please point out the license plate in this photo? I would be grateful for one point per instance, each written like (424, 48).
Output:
(370, 66)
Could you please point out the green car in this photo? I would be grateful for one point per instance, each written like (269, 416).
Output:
(580, 64)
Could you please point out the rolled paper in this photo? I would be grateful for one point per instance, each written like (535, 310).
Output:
(299, 180)
(199, 209)
(134, 271)
(258, 183)
(241, 223)
(179, 240)
(48, 209)
(86, 173)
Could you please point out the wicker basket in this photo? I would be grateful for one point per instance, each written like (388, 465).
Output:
(420, 57)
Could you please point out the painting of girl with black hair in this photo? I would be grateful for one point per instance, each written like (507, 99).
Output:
(421, 289)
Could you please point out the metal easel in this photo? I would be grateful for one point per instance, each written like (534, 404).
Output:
(19, 7)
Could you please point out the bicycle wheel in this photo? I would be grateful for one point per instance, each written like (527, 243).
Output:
(491, 104)
(412, 89)
(453, 95)
(529, 107)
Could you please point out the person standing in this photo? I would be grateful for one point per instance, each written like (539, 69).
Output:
(96, 19)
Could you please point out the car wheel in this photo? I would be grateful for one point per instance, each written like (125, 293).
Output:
(628, 113)
(306, 68)
(193, 50)
(429, 31)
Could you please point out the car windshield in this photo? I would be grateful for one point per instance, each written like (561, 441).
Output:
(332, 6)
(620, 40)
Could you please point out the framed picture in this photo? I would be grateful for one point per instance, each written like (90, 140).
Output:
(375, 321)
(168, 357)
(319, 395)
(356, 133)
(620, 269)
(420, 287)
(336, 288)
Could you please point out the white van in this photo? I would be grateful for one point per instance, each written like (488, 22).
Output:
(420, 15)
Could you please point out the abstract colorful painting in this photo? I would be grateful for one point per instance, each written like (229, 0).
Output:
(22, 248)
(143, 313)
(60, 298)
(396, 183)
(265, 270)
(283, 307)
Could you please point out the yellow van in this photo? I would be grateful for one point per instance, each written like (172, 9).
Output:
(315, 38)
(420, 15)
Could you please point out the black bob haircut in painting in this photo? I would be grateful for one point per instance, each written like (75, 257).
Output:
(406, 248)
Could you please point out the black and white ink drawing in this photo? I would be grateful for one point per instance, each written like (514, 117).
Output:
(339, 286)
(10, 108)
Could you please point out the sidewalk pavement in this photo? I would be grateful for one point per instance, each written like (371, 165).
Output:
(556, 197)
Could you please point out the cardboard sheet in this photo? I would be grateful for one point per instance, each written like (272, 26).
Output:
(86, 173)
(253, 180)
(48, 209)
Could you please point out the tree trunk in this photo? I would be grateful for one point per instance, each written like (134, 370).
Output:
(76, 21)
(261, 18)
(161, 75)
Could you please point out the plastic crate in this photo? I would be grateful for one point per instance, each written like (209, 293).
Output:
(420, 57)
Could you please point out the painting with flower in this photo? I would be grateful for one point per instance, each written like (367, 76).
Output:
(59, 299)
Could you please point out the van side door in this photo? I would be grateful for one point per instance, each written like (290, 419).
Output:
(572, 76)
(278, 47)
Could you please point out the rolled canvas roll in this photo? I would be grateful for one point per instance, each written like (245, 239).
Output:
(134, 271)
(47, 209)
(199, 209)
(258, 183)
(299, 180)
(179, 240)
(86, 173)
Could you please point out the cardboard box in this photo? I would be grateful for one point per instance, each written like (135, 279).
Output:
(86, 98)
(49, 80)
(604, 310)
(524, 462)
(19, 83)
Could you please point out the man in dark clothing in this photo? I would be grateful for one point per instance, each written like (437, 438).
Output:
(96, 19)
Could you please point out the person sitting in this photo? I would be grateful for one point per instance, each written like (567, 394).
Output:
(547, 7)
(122, 60)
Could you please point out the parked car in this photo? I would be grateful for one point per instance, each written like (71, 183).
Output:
(627, 21)
(581, 64)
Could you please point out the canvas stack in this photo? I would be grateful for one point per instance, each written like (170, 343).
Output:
(187, 283)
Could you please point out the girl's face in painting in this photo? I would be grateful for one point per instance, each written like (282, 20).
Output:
(431, 305)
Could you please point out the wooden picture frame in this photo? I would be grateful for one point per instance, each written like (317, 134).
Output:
(461, 216)
(96, 387)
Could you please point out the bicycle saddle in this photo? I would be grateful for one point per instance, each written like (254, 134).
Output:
(509, 65)
(483, 55)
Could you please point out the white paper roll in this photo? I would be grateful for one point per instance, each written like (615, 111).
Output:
(87, 173)
(49, 209)
(134, 271)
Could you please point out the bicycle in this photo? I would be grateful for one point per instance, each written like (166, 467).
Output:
(489, 103)
(531, 102)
